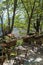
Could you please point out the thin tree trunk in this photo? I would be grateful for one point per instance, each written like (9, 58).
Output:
(29, 21)
(7, 6)
(37, 27)
(29, 18)
(2, 25)
(38, 23)
(15, 4)
(8, 20)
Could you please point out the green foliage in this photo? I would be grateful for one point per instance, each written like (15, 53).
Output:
(21, 17)
(19, 42)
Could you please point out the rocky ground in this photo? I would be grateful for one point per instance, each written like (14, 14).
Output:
(26, 56)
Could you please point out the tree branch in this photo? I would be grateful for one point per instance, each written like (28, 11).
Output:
(25, 7)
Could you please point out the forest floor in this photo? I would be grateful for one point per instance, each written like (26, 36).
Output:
(31, 57)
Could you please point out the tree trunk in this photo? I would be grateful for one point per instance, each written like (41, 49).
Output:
(15, 4)
(29, 20)
(38, 24)
(7, 6)
(2, 25)
(8, 20)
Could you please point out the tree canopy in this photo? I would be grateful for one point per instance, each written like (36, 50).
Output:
(24, 14)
